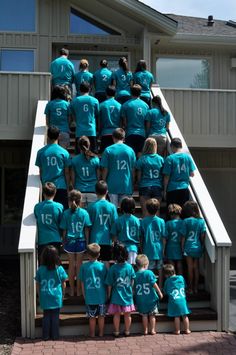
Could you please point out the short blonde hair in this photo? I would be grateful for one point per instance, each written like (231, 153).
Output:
(93, 250)
(141, 260)
(174, 209)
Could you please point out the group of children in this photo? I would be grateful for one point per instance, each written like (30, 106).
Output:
(91, 224)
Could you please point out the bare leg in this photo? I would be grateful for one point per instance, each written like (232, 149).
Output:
(177, 326)
(92, 326)
(160, 274)
(152, 320)
(101, 322)
(189, 260)
(79, 260)
(143, 200)
(186, 325)
(116, 323)
(179, 267)
(128, 320)
(71, 272)
(145, 325)
(196, 274)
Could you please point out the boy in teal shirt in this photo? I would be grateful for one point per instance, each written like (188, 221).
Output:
(48, 215)
(92, 275)
(153, 233)
(102, 215)
(147, 294)
(118, 162)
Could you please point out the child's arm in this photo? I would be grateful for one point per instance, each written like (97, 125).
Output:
(37, 288)
(63, 285)
(156, 287)
(104, 174)
(165, 183)
(82, 288)
(86, 232)
(182, 243)
(63, 235)
(109, 292)
(164, 246)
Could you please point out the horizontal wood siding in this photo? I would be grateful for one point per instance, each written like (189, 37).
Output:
(19, 96)
(205, 117)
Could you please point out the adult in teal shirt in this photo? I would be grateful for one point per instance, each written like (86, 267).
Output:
(145, 79)
(102, 79)
(58, 114)
(178, 168)
(84, 110)
(102, 215)
(83, 76)
(150, 179)
(133, 114)
(54, 162)
(118, 162)
(122, 78)
(48, 215)
(158, 122)
(109, 118)
(62, 70)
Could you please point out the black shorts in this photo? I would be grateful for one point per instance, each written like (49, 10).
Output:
(177, 196)
(106, 141)
(100, 96)
(62, 197)
(136, 142)
(93, 144)
(147, 100)
(105, 252)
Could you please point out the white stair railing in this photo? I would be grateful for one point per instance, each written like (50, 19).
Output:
(217, 242)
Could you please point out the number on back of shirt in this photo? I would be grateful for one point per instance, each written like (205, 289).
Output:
(155, 236)
(121, 165)
(47, 285)
(85, 108)
(143, 289)
(174, 237)
(153, 173)
(104, 218)
(104, 77)
(181, 168)
(51, 161)
(191, 236)
(123, 282)
(132, 231)
(177, 294)
(76, 227)
(85, 171)
(93, 283)
(46, 218)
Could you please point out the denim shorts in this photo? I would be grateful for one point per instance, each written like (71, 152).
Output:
(152, 312)
(73, 245)
(98, 310)
(151, 191)
(155, 264)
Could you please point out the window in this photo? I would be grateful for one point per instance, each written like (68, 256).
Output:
(83, 25)
(183, 73)
(17, 15)
(16, 60)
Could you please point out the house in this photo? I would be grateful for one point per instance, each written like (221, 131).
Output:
(193, 59)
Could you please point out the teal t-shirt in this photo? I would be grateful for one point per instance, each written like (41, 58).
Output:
(174, 237)
(144, 79)
(93, 275)
(120, 277)
(109, 116)
(50, 281)
(127, 230)
(153, 232)
(157, 121)
(52, 159)
(85, 109)
(151, 166)
(123, 81)
(63, 71)
(119, 159)
(192, 229)
(102, 79)
(178, 167)
(146, 298)
(57, 112)
(48, 215)
(102, 215)
(85, 172)
(74, 223)
(135, 112)
(174, 287)
(81, 77)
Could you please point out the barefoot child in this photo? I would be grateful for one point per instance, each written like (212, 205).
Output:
(92, 275)
(120, 280)
(174, 288)
(147, 294)
(75, 224)
(50, 278)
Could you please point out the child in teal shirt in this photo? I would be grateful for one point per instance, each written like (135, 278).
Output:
(147, 294)
(50, 278)
(126, 229)
(174, 288)
(92, 275)
(120, 280)
(152, 236)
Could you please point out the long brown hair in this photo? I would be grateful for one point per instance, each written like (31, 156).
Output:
(74, 198)
(157, 102)
(84, 147)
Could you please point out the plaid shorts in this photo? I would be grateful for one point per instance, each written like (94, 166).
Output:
(98, 310)
(153, 312)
